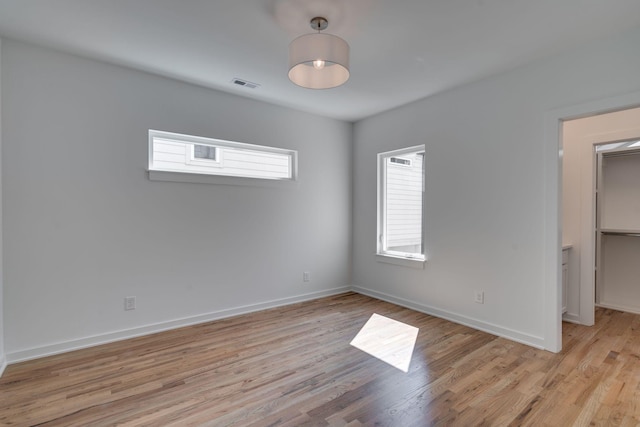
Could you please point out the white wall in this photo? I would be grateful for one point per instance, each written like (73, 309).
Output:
(491, 193)
(84, 226)
(578, 179)
(3, 360)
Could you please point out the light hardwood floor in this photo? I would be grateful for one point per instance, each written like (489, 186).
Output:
(294, 366)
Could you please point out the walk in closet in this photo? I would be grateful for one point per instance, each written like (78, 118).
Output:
(618, 226)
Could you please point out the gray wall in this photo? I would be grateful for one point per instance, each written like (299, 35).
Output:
(2, 352)
(84, 226)
(490, 210)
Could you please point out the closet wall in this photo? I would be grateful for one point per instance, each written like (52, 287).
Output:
(618, 250)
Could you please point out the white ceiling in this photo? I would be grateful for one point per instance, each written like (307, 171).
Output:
(401, 50)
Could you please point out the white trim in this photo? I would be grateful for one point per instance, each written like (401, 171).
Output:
(619, 307)
(65, 346)
(196, 178)
(571, 318)
(403, 261)
(552, 285)
(553, 206)
(513, 335)
(3, 364)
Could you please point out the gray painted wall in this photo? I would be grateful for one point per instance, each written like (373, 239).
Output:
(487, 201)
(2, 351)
(85, 227)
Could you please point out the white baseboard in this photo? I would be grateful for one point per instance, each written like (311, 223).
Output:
(619, 307)
(571, 318)
(66, 346)
(510, 334)
(3, 364)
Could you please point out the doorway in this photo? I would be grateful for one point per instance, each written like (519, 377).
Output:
(580, 141)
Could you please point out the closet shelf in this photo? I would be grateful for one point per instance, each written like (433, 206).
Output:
(617, 232)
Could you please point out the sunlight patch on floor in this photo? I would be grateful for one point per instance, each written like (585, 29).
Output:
(388, 340)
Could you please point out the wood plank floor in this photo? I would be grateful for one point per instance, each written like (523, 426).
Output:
(293, 366)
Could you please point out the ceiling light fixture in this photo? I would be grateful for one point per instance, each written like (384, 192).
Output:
(319, 60)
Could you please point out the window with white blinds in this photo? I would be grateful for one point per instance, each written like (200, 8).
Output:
(401, 204)
(172, 152)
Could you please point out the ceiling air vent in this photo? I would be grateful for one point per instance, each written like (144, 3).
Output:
(245, 83)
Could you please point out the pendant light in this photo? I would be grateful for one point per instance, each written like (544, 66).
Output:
(319, 60)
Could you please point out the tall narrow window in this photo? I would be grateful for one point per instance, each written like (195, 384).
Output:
(401, 204)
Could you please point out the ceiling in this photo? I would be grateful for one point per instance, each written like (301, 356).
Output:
(401, 50)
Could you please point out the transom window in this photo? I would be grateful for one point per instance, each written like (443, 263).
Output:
(172, 152)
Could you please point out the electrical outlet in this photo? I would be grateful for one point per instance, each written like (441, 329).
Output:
(479, 297)
(130, 303)
(306, 276)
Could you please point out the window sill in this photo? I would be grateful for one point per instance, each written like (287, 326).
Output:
(402, 261)
(196, 178)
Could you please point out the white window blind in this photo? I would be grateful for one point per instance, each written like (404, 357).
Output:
(172, 152)
(400, 203)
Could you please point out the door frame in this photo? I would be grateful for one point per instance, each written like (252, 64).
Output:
(553, 206)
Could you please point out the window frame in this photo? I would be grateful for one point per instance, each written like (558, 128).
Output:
(190, 141)
(382, 254)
